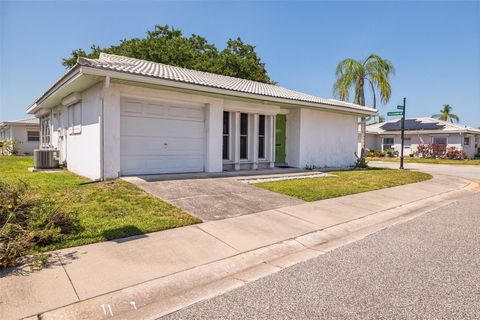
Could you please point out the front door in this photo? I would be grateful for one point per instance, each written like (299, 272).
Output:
(280, 135)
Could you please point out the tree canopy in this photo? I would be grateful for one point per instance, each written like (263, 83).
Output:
(446, 114)
(168, 45)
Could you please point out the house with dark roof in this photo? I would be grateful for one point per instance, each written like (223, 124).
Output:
(26, 132)
(424, 130)
(116, 116)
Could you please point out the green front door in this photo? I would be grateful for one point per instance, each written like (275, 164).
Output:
(280, 135)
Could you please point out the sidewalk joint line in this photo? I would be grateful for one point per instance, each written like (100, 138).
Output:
(68, 276)
(198, 227)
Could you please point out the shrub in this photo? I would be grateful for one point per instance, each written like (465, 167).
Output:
(390, 153)
(9, 147)
(433, 150)
(455, 154)
(27, 222)
(375, 153)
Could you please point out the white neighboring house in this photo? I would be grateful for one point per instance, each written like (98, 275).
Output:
(25, 131)
(386, 135)
(115, 116)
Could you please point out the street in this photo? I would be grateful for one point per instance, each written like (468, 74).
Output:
(426, 268)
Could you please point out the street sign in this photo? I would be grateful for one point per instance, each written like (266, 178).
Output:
(400, 107)
(396, 113)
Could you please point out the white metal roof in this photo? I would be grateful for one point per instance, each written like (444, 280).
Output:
(28, 121)
(158, 70)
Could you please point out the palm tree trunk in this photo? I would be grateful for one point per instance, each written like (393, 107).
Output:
(363, 133)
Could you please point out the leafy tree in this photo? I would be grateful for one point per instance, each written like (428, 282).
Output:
(446, 114)
(374, 73)
(168, 45)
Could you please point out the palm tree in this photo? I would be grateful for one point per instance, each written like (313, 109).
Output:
(373, 72)
(446, 114)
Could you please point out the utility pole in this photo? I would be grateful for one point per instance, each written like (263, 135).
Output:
(403, 130)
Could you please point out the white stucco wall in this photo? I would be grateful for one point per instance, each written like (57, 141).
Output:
(320, 138)
(19, 133)
(374, 142)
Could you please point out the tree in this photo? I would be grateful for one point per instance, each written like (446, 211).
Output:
(374, 73)
(446, 114)
(168, 45)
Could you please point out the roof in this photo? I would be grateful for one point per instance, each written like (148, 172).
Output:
(234, 86)
(28, 121)
(419, 124)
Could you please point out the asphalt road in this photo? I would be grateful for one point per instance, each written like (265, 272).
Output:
(426, 268)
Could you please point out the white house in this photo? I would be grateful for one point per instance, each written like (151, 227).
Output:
(115, 116)
(25, 131)
(386, 135)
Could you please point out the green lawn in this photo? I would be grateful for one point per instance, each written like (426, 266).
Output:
(423, 160)
(105, 210)
(343, 183)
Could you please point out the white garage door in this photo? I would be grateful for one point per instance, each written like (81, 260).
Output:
(161, 137)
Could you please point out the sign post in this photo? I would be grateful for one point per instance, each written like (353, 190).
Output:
(403, 129)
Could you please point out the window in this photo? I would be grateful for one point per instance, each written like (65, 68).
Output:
(261, 137)
(388, 143)
(407, 141)
(75, 118)
(439, 140)
(45, 127)
(33, 136)
(466, 141)
(226, 135)
(243, 136)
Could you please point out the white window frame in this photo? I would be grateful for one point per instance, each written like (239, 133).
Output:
(33, 131)
(264, 137)
(442, 137)
(228, 135)
(74, 113)
(244, 135)
(46, 131)
(392, 145)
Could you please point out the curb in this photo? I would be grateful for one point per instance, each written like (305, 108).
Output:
(162, 296)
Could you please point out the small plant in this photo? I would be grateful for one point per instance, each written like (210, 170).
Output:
(375, 154)
(433, 150)
(9, 147)
(390, 153)
(310, 167)
(27, 222)
(360, 163)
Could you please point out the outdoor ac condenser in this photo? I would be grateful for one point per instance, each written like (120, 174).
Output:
(45, 158)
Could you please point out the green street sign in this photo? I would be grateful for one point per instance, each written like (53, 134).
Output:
(400, 107)
(396, 113)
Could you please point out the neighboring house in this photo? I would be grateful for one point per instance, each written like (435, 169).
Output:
(386, 135)
(26, 132)
(115, 116)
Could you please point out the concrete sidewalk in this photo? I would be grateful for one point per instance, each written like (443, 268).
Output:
(151, 273)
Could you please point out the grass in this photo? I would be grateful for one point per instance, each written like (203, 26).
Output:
(105, 211)
(434, 161)
(344, 183)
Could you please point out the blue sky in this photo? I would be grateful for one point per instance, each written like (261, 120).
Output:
(435, 46)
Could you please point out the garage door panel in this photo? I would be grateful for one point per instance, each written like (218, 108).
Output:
(155, 127)
(161, 138)
(156, 146)
(149, 165)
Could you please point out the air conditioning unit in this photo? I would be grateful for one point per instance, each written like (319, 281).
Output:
(46, 158)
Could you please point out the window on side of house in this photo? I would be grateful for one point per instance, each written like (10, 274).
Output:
(243, 136)
(407, 141)
(45, 127)
(388, 143)
(466, 141)
(226, 135)
(439, 140)
(33, 136)
(261, 136)
(75, 118)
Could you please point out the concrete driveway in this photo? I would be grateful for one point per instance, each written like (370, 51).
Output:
(214, 198)
(464, 171)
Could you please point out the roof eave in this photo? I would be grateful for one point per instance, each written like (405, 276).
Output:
(178, 84)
